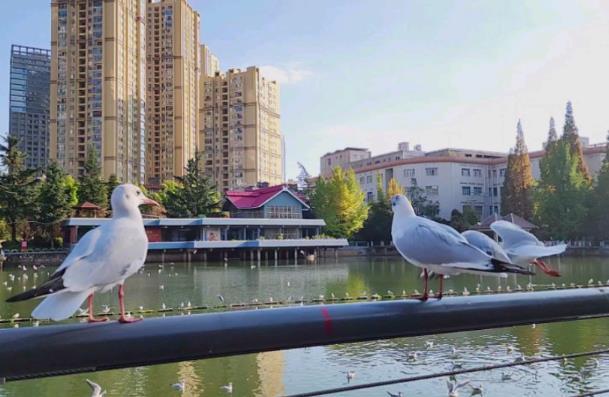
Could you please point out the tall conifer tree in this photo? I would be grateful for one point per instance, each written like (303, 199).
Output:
(517, 192)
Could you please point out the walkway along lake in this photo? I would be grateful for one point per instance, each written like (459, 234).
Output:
(299, 370)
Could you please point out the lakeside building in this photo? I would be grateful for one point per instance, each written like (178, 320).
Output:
(29, 102)
(240, 127)
(172, 88)
(454, 178)
(274, 202)
(98, 85)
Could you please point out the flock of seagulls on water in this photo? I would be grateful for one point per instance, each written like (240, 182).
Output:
(106, 256)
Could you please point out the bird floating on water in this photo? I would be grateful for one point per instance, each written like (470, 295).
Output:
(96, 390)
(180, 386)
(453, 387)
(350, 376)
(103, 258)
(439, 248)
(398, 394)
(523, 247)
(228, 388)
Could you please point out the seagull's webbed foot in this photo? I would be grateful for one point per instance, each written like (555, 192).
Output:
(93, 319)
(439, 295)
(128, 320)
(424, 297)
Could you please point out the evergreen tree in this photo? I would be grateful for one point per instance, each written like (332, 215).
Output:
(571, 135)
(92, 187)
(56, 197)
(377, 226)
(560, 202)
(110, 185)
(421, 204)
(517, 192)
(599, 216)
(340, 202)
(552, 137)
(17, 186)
(192, 195)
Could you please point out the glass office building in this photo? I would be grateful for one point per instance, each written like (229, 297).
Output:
(29, 102)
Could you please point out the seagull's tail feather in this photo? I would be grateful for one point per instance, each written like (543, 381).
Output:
(60, 306)
(54, 284)
(503, 267)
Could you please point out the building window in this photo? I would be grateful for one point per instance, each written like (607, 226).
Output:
(413, 181)
(465, 172)
(466, 190)
(409, 172)
(284, 212)
(477, 173)
(494, 173)
(369, 197)
(369, 179)
(502, 172)
(495, 191)
(329, 161)
(477, 191)
(431, 171)
(431, 190)
(362, 180)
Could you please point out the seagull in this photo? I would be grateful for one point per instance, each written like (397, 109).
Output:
(453, 387)
(523, 247)
(228, 388)
(350, 376)
(429, 344)
(506, 376)
(220, 298)
(412, 356)
(96, 390)
(398, 394)
(477, 390)
(180, 386)
(439, 248)
(103, 258)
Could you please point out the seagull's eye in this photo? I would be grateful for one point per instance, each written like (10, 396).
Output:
(138, 192)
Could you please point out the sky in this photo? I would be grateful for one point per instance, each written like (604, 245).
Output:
(372, 73)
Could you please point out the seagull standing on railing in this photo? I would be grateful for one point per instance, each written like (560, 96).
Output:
(439, 248)
(103, 258)
(523, 247)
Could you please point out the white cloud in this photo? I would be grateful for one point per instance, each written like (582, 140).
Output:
(285, 75)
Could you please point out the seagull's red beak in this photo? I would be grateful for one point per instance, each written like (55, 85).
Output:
(147, 201)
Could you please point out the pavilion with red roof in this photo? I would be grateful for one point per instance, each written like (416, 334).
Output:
(269, 202)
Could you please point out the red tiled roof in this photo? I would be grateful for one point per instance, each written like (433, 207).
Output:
(256, 198)
(88, 206)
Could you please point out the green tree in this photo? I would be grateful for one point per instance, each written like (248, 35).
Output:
(517, 192)
(57, 195)
(571, 135)
(92, 187)
(340, 202)
(421, 204)
(110, 185)
(377, 226)
(192, 195)
(561, 198)
(598, 215)
(17, 186)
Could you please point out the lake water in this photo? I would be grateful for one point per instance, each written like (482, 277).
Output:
(299, 370)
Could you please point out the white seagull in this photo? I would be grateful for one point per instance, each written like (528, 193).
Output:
(439, 248)
(228, 388)
(103, 258)
(96, 390)
(180, 386)
(523, 247)
(486, 244)
(453, 387)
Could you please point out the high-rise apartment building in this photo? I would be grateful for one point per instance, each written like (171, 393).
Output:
(172, 76)
(29, 102)
(98, 85)
(240, 128)
(210, 64)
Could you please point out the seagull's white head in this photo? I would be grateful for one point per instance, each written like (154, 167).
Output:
(126, 200)
(400, 205)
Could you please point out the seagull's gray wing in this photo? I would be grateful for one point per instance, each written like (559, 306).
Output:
(536, 251)
(486, 244)
(513, 235)
(95, 388)
(84, 247)
(430, 243)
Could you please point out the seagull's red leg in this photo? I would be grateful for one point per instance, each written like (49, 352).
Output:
(425, 295)
(121, 301)
(91, 318)
(441, 291)
(545, 268)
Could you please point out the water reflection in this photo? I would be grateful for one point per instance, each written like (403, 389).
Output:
(298, 370)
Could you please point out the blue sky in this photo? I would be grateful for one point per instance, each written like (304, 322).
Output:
(373, 73)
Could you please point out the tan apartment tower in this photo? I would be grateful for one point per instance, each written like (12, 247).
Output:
(98, 85)
(172, 71)
(241, 129)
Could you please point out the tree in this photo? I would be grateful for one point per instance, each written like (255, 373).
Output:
(421, 204)
(17, 186)
(517, 192)
(92, 187)
(57, 196)
(552, 137)
(599, 216)
(110, 185)
(340, 202)
(560, 201)
(377, 226)
(571, 135)
(192, 195)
